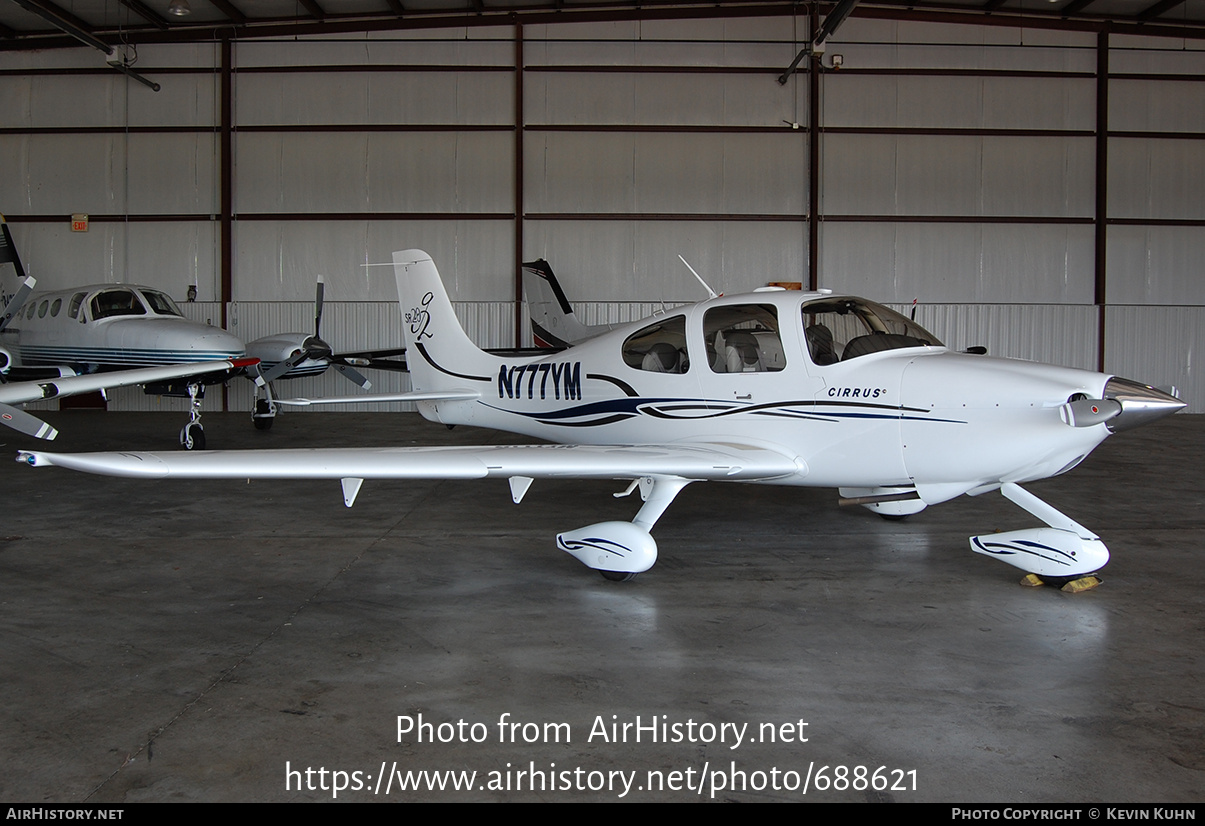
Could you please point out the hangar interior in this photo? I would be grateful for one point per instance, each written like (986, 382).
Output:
(1033, 180)
(1034, 187)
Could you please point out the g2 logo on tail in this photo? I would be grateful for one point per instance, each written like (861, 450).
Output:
(419, 319)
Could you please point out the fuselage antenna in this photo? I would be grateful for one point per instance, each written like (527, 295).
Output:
(710, 292)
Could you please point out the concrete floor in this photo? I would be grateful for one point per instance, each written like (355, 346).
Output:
(186, 641)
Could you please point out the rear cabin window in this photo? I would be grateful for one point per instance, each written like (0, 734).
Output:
(658, 348)
(743, 339)
(841, 329)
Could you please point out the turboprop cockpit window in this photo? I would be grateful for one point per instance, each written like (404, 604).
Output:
(840, 329)
(116, 302)
(161, 303)
(658, 348)
(743, 339)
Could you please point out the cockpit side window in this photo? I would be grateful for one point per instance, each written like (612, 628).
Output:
(76, 301)
(116, 302)
(658, 348)
(743, 339)
(840, 329)
(161, 303)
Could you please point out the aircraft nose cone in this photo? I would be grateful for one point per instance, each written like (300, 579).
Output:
(1140, 403)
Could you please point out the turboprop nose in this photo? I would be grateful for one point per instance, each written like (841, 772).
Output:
(1140, 403)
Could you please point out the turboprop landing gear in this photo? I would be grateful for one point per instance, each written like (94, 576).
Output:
(192, 435)
(263, 412)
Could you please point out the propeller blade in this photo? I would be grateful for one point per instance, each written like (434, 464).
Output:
(354, 375)
(28, 424)
(319, 292)
(17, 301)
(282, 367)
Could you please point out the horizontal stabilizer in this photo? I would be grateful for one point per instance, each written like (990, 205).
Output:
(410, 396)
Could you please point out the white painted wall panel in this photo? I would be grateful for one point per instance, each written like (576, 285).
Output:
(957, 175)
(733, 42)
(959, 263)
(439, 98)
(171, 255)
(280, 261)
(583, 98)
(922, 56)
(665, 172)
(1159, 346)
(484, 46)
(638, 260)
(884, 101)
(1153, 178)
(1158, 106)
(49, 174)
(80, 57)
(579, 172)
(188, 161)
(168, 255)
(382, 171)
(42, 101)
(1064, 334)
(1155, 265)
(66, 173)
(1160, 55)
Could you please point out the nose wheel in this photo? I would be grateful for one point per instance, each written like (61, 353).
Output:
(264, 411)
(192, 435)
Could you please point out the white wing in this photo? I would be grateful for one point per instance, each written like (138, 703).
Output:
(694, 462)
(29, 391)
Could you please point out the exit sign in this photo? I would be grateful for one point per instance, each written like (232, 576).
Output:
(79, 222)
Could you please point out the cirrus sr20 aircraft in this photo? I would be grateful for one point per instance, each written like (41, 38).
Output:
(772, 387)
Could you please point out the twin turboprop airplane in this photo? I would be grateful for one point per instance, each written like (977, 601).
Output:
(773, 387)
(105, 327)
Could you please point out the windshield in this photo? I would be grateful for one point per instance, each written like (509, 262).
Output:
(161, 303)
(840, 329)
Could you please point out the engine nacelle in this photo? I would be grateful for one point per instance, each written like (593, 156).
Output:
(611, 546)
(1044, 551)
(6, 361)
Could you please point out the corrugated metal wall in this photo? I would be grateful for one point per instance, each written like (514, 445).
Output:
(958, 166)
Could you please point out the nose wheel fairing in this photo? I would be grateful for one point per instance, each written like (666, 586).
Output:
(1064, 549)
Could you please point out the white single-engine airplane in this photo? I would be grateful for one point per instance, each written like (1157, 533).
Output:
(103, 327)
(772, 387)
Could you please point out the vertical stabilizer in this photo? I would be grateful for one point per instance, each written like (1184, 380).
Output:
(438, 352)
(15, 286)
